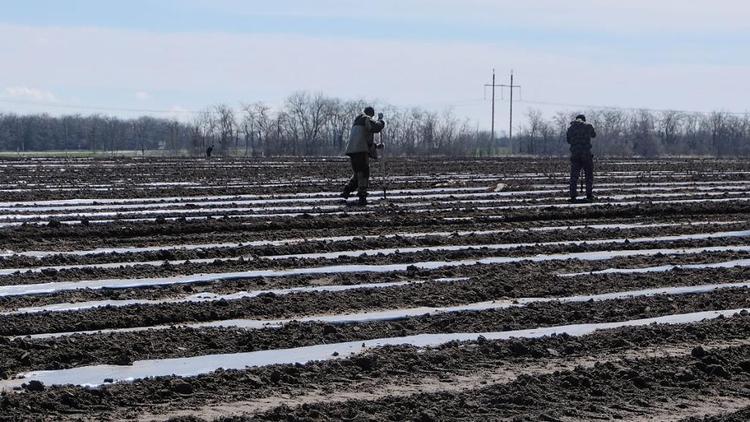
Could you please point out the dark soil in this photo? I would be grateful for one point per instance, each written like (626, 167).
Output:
(316, 247)
(523, 279)
(742, 415)
(64, 352)
(401, 364)
(609, 390)
(639, 385)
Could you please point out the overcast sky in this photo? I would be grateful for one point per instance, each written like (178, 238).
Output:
(172, 57)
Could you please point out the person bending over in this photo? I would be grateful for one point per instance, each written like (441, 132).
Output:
(360, 148)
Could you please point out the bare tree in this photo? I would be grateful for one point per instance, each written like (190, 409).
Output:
(642, 128)
(225, 125)
(307, 115)
(205, 124)
(317, 125)
(256, 123)
(669, 124)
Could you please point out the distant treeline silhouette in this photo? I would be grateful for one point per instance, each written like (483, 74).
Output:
(315, 125)
(642, 133)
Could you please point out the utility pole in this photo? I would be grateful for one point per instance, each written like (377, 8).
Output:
(493, 102)
(510, 125)
(510, 87)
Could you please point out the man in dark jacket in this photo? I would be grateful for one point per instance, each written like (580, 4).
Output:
(359, 149)
(579, 137)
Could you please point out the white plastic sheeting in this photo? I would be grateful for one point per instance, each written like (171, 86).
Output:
(42, 288)
(93, 376)
(155, 205)
(213, 297)
(207, 201)
(664, 268)
(289, 241)
(402, 313)
(426, 207)
(437, 200)
(502, 246)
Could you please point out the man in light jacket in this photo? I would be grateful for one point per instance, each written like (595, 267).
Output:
(360, 148)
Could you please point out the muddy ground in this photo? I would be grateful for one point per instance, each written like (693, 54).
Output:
(697, 371)
(521, 279)
(609, 388)
(123, 348)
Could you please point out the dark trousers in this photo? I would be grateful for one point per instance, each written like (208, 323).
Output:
(583, 162)
(361, 177)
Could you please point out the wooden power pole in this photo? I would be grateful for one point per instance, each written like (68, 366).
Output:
(493, 103)
(510, 125)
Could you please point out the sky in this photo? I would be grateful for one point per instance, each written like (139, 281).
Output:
(172, 58)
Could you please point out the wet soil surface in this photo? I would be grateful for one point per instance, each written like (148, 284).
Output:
(123, 348)
(703, 371)
(642, 373)
(610, 390)
(523, 279)
(738, 416)
(494, 286)
(458, 238)
(20, 237)
(257, 262)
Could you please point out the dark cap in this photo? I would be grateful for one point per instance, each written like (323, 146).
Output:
(369, 111)
(581, 117)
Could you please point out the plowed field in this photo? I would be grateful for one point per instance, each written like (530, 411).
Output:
(194, 290)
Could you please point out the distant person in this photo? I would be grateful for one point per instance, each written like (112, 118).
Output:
(209, 150)
(360, 149)
(579, 137)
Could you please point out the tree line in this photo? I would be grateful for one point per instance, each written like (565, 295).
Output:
(642, 133)
(317, 125)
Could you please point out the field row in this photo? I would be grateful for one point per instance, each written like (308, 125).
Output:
(473, 294)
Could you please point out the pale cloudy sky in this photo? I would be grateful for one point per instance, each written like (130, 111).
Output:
(171, 57)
